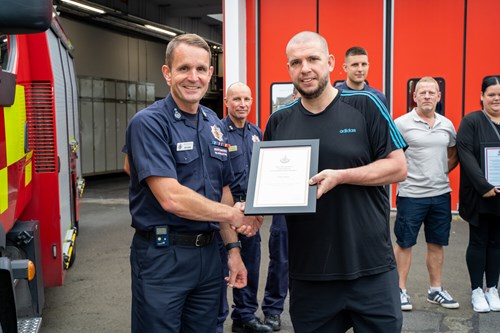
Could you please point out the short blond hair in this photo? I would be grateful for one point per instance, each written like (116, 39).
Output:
(189, 39)
(427, 79)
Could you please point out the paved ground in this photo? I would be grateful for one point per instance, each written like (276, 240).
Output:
(96, 293)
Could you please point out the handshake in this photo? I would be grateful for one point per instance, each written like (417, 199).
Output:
(246, 225)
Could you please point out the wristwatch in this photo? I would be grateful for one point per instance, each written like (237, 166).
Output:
(232, 245)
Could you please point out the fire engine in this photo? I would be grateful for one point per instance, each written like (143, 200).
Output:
(39, 181)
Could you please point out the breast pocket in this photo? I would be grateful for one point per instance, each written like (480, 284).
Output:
(186, 157)
(233, 155)
(237, 161)
(217, 152)
(216, 165)
(187, 166)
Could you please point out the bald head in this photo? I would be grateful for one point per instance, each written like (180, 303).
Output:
(238, 102)
(307, 37)
(236, 86)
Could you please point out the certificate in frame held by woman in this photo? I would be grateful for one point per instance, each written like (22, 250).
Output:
(491, 163)
(278, 182)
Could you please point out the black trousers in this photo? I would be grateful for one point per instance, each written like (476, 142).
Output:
(483, 251)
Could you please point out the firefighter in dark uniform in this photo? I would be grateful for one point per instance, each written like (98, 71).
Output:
(179, 195)
(241, 136)
(277, 273)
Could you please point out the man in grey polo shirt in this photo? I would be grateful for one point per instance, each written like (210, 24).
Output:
(424, 197)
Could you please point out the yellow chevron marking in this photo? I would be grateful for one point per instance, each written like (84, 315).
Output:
(15, 122)
(28, 173)
(4, 190)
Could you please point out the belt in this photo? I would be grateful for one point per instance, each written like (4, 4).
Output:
(184, 239)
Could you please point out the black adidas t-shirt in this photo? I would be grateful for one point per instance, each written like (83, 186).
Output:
(348, 236)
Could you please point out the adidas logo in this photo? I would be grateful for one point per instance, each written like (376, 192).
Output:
(347, 130)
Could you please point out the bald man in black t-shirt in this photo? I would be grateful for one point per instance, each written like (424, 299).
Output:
(341, 262)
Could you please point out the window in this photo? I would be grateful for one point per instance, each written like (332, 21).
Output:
(4, 52)
(281, 95)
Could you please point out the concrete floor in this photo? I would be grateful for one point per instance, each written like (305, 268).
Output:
(95, 296)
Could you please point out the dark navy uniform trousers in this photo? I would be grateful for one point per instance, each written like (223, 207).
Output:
(174, 288)
(277, 276)
(245, 300)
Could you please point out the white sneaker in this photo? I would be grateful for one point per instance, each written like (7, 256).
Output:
(493, 299)
(405, 301)
(479, 303)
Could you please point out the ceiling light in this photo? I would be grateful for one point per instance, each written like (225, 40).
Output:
(217, 17)
(83, 6)
(163, 31)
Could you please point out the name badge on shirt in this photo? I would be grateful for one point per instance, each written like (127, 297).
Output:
(182, 146)
(233, 148)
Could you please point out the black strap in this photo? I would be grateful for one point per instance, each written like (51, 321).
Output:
(492, 125)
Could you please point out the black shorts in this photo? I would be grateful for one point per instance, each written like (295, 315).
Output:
(369, 304)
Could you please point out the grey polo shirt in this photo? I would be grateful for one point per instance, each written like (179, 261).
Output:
(426, 155)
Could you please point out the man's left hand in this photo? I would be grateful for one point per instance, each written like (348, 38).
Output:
(237, 271)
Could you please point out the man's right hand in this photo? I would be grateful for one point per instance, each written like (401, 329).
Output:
(246, 225)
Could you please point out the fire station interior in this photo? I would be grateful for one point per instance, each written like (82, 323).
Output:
(119, 48)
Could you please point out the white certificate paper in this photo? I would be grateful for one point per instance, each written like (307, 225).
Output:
(283, 177)
(278, 182)
(492, 165)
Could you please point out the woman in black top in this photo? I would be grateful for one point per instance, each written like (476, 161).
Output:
(480, 199)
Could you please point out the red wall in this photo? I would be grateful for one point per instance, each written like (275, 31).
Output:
(430, 43)
(278, 23)
(483, 49)
(430, 38)
(345, 24)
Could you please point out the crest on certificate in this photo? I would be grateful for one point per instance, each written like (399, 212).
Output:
(284, 159)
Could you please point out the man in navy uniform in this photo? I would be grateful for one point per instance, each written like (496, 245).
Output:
(277, 273)
(356, 66)
(179, 196)
(241, 136)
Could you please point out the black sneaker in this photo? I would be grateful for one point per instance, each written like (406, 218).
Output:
(252, 326)
(442, 298)
(274, 321)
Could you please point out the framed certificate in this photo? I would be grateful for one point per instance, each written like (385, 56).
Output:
(279, 176)
(490, 162)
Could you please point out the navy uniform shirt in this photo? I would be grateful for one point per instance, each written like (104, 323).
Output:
(240, 153)
(164, 141)
(366, 87)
